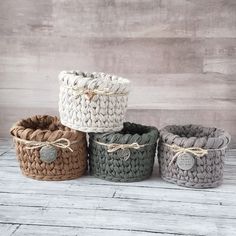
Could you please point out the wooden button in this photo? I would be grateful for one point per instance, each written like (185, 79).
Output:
(185, 161)
(48, 154)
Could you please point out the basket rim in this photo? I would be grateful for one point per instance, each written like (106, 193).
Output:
(37, 134)
(221, 139)
(149, 134)
(86, 79)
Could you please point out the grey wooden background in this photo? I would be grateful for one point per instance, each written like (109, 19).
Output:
(180, 56)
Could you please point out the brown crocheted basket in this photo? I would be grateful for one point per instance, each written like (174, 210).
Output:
(192, 155)
(47, 150)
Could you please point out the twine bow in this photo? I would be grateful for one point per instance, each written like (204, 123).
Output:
(196, 151)
(60, 143)
(90, 93)
(113, 147)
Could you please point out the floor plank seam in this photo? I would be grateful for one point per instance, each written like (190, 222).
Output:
(114, 194)
(3, 153)
(14, 231)
(103, 228)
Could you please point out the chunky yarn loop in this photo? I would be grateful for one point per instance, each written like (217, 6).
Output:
(205, 145)
(123, 156)
(37, 133)
(92, 102)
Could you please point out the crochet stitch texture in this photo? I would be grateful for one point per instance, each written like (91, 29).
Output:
(113, 166)
(67, 165)
(92, 102)
(208, 169)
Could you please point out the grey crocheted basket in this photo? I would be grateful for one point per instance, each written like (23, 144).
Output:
(128, 164)
(188, 169)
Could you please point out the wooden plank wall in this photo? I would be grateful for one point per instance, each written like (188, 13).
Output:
(180, 56)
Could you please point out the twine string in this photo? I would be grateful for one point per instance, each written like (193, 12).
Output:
(196, 151)
(113, 147)
(90, 93)
(60, 143)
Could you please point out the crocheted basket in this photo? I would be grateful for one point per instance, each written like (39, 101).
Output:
(123, 156)
(47, 150)
(192, 156)
(92, 102)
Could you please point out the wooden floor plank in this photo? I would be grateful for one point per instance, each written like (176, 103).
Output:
(143, 221)
(118, 204)
(127, 193)
(42, 230)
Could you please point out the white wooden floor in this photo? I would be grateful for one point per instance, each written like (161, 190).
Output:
(89, 206)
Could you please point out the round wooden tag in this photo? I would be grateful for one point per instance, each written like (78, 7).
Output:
(48, 154)
(123, 154)
(185, 161)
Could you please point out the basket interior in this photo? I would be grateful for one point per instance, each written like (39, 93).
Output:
(43, 123)
(189, 131)
(40, 128)
(131, 128)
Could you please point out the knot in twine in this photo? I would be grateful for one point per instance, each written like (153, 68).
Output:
(196, 151)
(60, 143)
(89, 93)
(113, 147)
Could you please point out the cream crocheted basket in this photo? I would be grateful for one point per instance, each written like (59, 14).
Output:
(92, 102)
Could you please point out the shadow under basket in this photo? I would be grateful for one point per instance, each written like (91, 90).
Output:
(47, 150)
(192, 156)
(124, 156)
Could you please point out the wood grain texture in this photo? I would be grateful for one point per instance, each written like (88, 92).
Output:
(8, 229)
(90, 206)
(179, 55)
(120, 18)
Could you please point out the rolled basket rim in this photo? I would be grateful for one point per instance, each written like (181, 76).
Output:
(150, 134)
(20, 131)
(75, 75)
(221, 139)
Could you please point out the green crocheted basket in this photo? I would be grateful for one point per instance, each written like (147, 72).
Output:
(124, 156)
